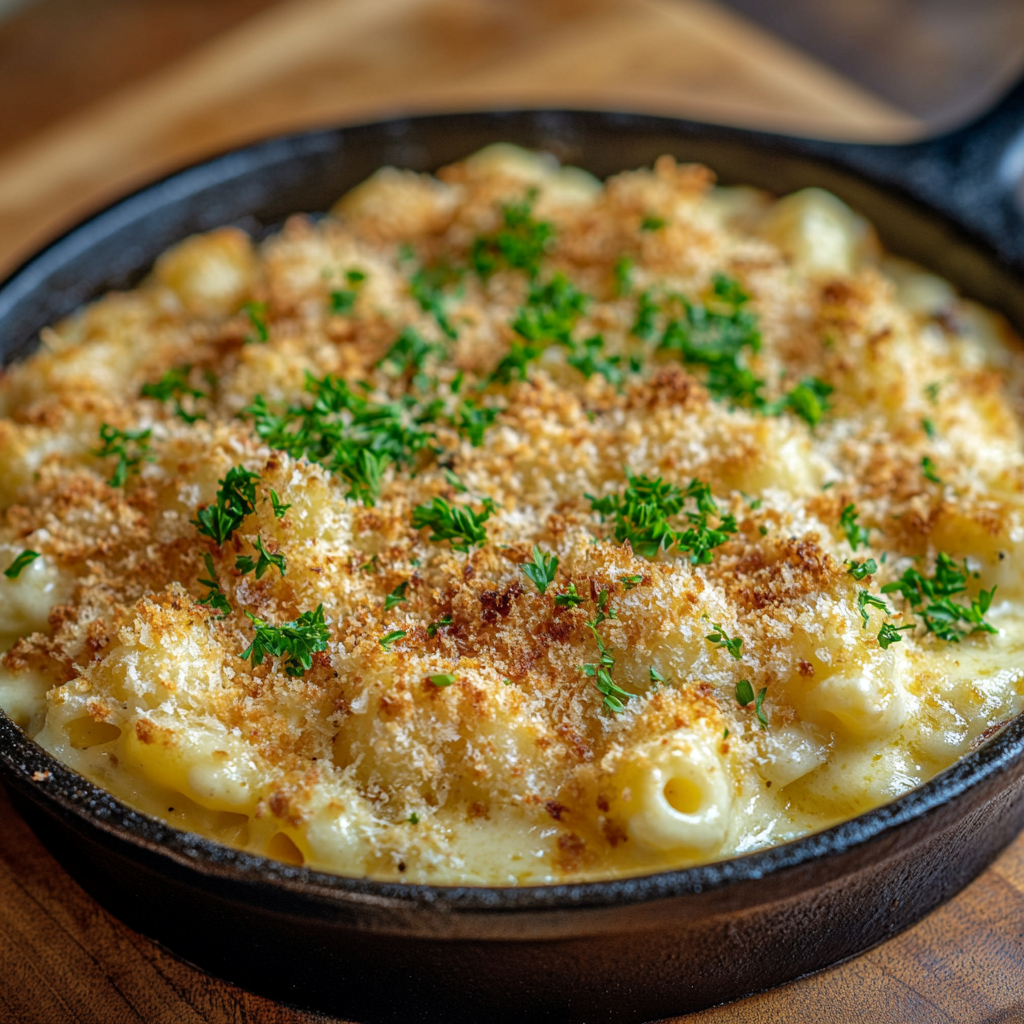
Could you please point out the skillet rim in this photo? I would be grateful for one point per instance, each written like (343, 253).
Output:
(97, 808)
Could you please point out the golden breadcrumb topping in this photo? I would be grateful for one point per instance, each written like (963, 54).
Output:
(507, 527)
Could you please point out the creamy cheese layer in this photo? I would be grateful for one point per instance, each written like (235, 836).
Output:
(649, 522)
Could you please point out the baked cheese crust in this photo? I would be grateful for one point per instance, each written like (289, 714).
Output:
(638, 524)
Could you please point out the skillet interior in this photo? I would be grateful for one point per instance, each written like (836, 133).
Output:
(627, 950)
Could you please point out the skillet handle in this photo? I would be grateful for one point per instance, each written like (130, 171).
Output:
(974, 175)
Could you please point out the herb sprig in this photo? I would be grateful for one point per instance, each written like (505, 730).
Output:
(542, 570)
(26, 558)
(129, 447)
(642, 513)
(460, 525)
(235, 500)
(295, 641)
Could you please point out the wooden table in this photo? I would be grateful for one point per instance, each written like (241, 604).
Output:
(313, 62)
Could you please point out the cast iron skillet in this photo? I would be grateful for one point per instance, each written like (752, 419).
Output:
(628, 950)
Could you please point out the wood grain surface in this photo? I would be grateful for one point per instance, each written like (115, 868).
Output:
(308, 62)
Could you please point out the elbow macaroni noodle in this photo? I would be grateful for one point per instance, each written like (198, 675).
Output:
(518, 340)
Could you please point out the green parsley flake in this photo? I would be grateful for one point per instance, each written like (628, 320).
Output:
(257, 315)
(858, 570)
(442, 679)
(932, 598)
(173, 386)
(541, 571)
(280, 508)
(720, 638)
(214, 598)
(458, 524)
(472, 419)
(601, 673)
(570, 599)
(389, 638)
(808, 400)
(890, 634)
(762, 716)
(865, 600)
(519, 244)
(928, 427)
(856, 535)
(349, 434)
(130, 447)
(427, 287)
(744, 692)
(645, 323)
(715, 336)
(414, 818)
(296, 641)
(632, 580)
(343, 300)
(245, 563)
(396, 597)
(235, 500)
(642, 513)
(929, 471)
(26, 558)
(445, 620)
(623, 276)
(652, 223)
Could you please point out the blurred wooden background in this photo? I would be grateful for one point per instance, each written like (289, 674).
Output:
(97, 96)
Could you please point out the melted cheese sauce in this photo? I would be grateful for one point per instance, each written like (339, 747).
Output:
(516, 772)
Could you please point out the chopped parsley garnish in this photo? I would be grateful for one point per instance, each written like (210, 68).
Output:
(396, 597)
(652, 223)
(932, 391)
(246, 564)
(349, 434)
(601, 673)
(235, 500)
(858, 570)
(643, 510)
(409, 353)
(26, 558)
(744, 692)
(389, 638)
(570, 599)
(472, 419)
(541, 571)
(590, 359)
(928, 427)
(548, 317)
(442, 679)
(296, 641)
(623, 276)
(856, 535)
(426, 287)
(280, 507)
(445, 620)
(808, 400)
(720, 638)
(130, 447)
(519, 244)
(343, 299)
(257, 314)
(645, 323)
(762, 716)
(655, 676)
(458, 524)
(214, 598)
(413, 819)
(929, 471)
(715, 336)
(632, 580)
(932, 598)
(454, 482)
(890, 634)
(866, 599)
(173, 386)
